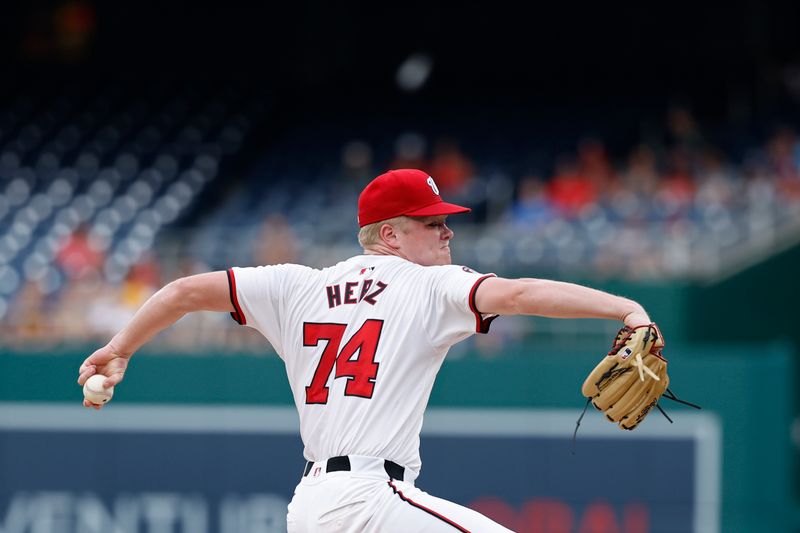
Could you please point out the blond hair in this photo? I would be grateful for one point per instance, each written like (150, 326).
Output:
(371, 233)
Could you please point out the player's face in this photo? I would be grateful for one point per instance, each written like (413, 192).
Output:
(426, 240)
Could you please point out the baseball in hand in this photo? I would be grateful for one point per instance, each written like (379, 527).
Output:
(94, 392)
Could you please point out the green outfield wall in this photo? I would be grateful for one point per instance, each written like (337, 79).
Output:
(755, 304)
(749, 386)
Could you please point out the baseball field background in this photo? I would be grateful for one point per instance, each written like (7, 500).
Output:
(648, 150)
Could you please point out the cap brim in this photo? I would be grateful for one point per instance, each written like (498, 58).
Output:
(440, 208)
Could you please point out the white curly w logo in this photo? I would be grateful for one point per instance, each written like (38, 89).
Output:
(432, 185)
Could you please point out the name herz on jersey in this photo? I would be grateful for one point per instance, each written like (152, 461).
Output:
(352, 292)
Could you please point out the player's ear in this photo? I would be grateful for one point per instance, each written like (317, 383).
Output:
(388, 234)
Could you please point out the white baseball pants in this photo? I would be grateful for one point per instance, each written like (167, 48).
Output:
(365, 499)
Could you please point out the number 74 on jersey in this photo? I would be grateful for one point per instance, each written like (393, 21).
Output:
(360, 372)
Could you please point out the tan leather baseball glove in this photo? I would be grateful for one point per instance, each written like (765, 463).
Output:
(631, 379)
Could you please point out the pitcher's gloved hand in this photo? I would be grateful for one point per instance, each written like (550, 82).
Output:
(630, 380)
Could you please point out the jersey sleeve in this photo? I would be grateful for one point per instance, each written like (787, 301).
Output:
(451, 315)
(259, 296)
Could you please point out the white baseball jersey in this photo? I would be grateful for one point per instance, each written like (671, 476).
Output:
(362, 342)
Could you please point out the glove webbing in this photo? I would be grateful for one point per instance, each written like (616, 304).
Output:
(626, 333)
(668, 394)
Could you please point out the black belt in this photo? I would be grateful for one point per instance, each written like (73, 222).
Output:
(342, 463)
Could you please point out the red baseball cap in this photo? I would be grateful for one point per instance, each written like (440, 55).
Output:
(404, 191)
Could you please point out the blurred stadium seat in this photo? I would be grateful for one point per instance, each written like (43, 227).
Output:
(118, 167)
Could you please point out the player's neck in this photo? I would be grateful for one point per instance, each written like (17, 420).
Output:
(382, 249)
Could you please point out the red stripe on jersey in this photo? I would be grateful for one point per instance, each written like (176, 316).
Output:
(427, 510)
(481, 324)
(237, 315)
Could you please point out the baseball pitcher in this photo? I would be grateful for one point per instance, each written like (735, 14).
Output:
(362, 342)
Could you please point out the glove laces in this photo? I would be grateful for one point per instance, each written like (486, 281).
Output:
(667, 394)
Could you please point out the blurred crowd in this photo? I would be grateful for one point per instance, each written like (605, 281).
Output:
(670, 179)
(88, 309)
(599, 213)
(675, 207)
